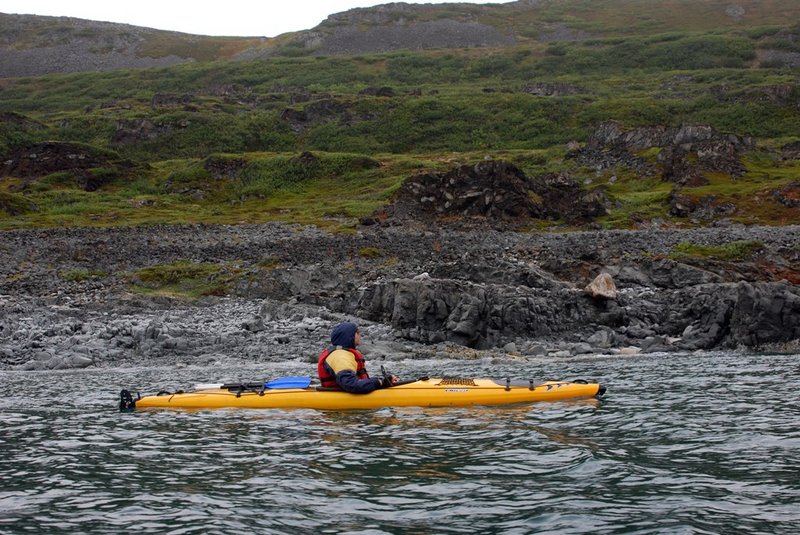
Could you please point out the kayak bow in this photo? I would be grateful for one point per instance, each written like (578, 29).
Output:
(424, 392)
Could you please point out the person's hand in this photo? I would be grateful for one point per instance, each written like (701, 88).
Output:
(388, 381)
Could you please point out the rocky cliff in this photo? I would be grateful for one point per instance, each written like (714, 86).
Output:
(418, 293)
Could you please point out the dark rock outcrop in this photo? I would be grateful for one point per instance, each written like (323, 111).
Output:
(611, 134)
(224, 168)
(492, 190)
(563, 198)
(384, 91)
(19, 120)
(552, 89)
(14, 204)
(481, 289)
(88, 167)
(326, 109)
(171, 101)
(137, 130)
(687, 151)
(80, 161)
(684, 164)
(705, 208)
(791, 151)
(731, 315)
(789, 195)
(49, 157)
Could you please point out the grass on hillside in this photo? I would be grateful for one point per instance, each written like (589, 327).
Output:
(637, 200)
(334, 190)
(450, 107)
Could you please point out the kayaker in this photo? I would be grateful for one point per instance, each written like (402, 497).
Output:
(342, 366)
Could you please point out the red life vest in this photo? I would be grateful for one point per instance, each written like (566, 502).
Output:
(326, 376)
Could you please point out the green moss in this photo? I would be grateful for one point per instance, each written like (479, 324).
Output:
(636, 201)
(733, 251)
(369, 252)
(185, 279)
(268, 176)
(269, 262)
(14, 205)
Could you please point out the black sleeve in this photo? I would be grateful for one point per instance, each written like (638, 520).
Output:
(349, 382)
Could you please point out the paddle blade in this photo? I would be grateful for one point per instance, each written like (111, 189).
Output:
(289, 382)
(208, 386)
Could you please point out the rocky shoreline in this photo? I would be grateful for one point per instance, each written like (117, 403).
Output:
(418, 293)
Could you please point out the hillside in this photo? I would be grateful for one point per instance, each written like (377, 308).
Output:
(451, 176)
(34, 45)
(606, 114)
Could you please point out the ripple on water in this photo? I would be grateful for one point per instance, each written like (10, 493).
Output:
(681, 444)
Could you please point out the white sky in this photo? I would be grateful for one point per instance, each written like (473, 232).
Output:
(227, 17)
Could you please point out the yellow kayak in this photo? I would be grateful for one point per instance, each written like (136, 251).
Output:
(425, 392)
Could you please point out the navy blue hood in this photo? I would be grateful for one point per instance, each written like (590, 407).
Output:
(344, 335)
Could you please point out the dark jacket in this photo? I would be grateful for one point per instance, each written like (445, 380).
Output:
(343, 336)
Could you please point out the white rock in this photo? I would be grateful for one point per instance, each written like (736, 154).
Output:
(602, 286)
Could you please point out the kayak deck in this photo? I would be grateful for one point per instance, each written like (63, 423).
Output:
(421, 393)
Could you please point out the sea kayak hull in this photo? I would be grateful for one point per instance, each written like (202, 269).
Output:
(422, 393)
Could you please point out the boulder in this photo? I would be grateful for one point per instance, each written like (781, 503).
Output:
(602, 287)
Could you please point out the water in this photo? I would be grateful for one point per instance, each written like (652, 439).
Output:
(680, 444)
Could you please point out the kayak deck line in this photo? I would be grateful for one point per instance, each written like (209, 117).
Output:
(424, 392)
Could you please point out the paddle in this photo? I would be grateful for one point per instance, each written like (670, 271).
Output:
(275, 384)
(387, 375)
(408, 381)
(289, 382)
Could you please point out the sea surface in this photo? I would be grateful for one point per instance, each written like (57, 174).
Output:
(701, 443)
